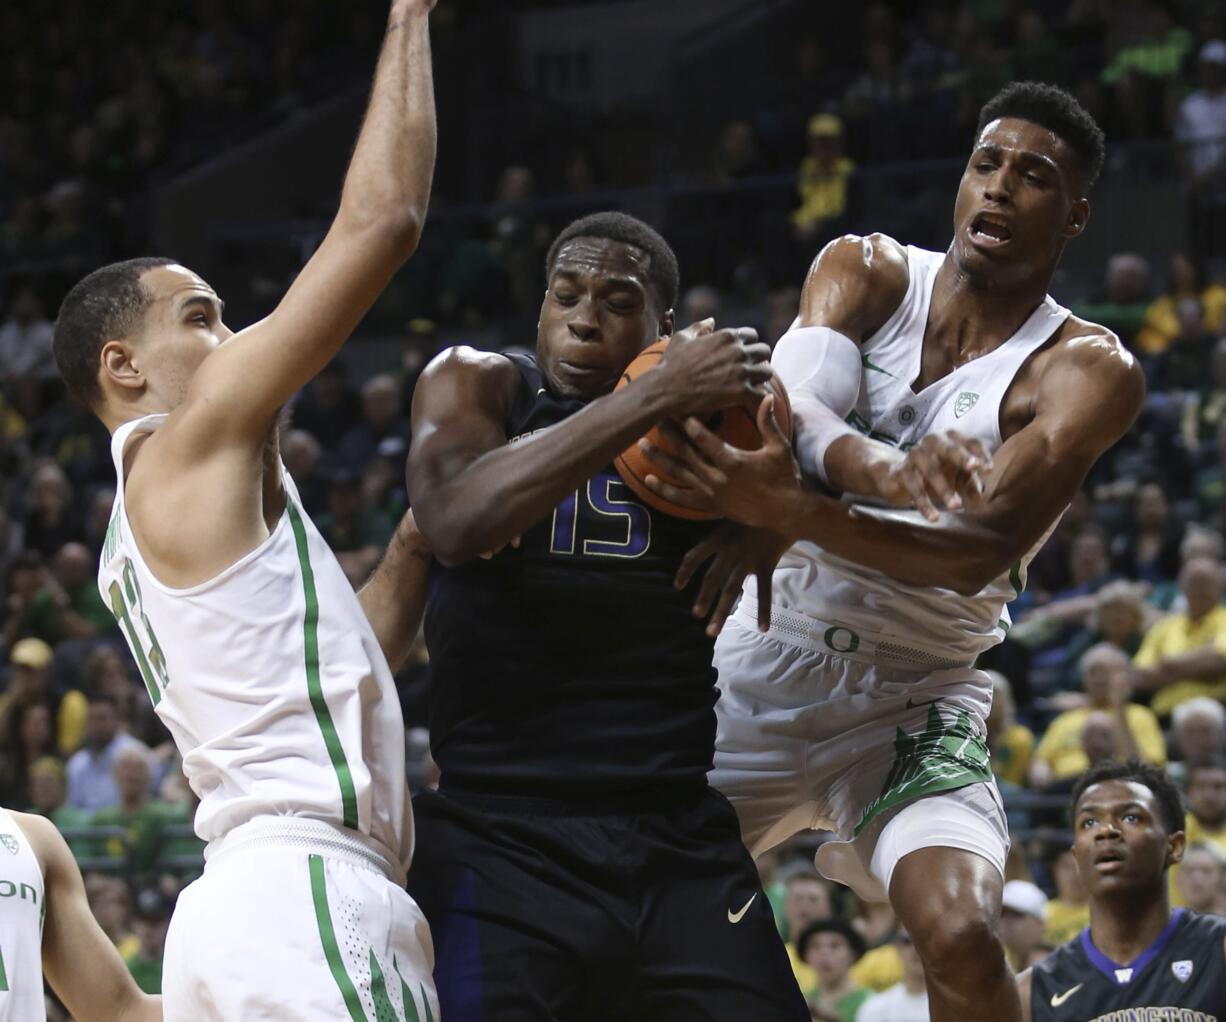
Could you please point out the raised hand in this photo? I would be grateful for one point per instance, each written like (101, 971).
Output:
(943, 472)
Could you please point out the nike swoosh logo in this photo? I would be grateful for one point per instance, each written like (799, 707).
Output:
(1059, 999)
(867, 363)
(912, 704)
(735, 917)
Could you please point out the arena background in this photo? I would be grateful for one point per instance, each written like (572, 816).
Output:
(749, 132)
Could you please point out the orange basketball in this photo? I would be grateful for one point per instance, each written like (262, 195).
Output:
(736, 426)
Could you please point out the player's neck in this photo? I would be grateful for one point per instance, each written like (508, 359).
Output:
(1123, 927)
(975, 318)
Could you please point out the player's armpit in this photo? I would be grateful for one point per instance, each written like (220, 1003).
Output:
(79, 960)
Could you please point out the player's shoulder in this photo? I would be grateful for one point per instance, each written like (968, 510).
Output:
(43, 836)
(1200, 925)
(875, 258)
(1091, 350)
(855, 283)
(468, 371)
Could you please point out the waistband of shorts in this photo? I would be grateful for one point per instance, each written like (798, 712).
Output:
(658, 798)
(301, 833)
(839, 640)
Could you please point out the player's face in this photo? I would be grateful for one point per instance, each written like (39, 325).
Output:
(182, 327)
(600, 310)
(1120, 840)
(1018, 203)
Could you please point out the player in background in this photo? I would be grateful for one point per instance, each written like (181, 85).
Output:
(860, 710)
(1137, 958)
(47, 929)
(270, 673)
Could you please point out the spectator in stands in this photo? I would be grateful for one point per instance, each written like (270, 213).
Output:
(30, 682)
(150, 920)
(91, 781)
(301, 453)
(1201, 883)
(1184, 655)
(109, 670)
(29, 736)
(141, 818)
(25, 339)
(49, 798)
(1209, 486)
(822, 183)
(1118, 619)
(1148, 550)
(908, 1000)
(1022, 916)
(1205, 408)
(1201, 125)
(1061, 756)
(876, 104)
(356, 533)
(519, 237)
(1011, 743)
(67, 604)
(98, 517)
(1198, 542)
(736, 155)
(328, 407)
(1207, 804)
(806, 900)
(22, 581)
(1198, 734)
(1068, 913)
(381, 420)
(1187, 279)
(1122, 305)
(1144, 71)
(830, 947)
(702, 301)
(51, 518)
(111, 902)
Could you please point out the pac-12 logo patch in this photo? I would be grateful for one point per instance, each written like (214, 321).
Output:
(10, 843)
(964, 403)
(1182, 970)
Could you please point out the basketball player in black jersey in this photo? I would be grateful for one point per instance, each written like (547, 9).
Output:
(573, 864)
(1137, 961)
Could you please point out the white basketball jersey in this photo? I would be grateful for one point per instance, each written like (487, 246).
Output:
(22, 909)
(925, 626)
(269, 677)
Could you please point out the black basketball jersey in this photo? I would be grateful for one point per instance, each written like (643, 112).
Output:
(572, 667)
(1181, 977)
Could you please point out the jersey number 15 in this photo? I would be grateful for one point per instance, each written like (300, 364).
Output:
(125, 600)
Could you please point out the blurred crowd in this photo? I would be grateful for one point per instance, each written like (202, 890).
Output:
(1118, 644)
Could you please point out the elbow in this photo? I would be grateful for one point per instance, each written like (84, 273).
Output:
(988, 562)
(452, 541)
(396, 231)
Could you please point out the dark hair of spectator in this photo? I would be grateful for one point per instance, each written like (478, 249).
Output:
(103, 306)
(1170, 802)
(629, 231)
(839, 926)
(25, 560)
(105, 698)
(1058, 111)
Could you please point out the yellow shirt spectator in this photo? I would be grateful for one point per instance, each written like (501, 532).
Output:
(1161, 326)
(879, 969)
(1061, 745)
(823, 175)
(1176, 635)
(1064, 920)
(1011, 757)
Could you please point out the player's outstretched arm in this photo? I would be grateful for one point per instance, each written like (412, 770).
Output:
(1086, 400)
(394, 597)
(79, 960)
(239, 388)
(474, 492)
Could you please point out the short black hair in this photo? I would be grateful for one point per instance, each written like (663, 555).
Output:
(1170, 802)
(103, 306)
(1057, 110)
(629, 230)
(844, 929)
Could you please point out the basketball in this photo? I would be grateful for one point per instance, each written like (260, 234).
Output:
(736, 426)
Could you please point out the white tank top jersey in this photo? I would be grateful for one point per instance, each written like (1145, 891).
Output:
(927, 627)
(22, 909)
(270, 679)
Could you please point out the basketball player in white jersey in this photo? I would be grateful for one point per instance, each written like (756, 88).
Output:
(46, 928)
(859, 710)
(271, 674)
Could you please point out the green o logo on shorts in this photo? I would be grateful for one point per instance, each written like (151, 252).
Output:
(833, 639)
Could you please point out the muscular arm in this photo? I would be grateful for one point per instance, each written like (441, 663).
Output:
(213, 442)
(472, 490)
(395, 595)
(79, 961)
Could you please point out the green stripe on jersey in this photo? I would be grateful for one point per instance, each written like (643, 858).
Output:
(327, 935)
(406, 996)
(384, 1010)
(1015, 578)
(323, 716)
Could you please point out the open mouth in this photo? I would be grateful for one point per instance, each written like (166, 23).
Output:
(990, 231)
(1109, 860)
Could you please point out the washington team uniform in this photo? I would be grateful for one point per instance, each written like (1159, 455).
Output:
(22, 910)
(574, 865)
(862, 697)
(1181, 977)
(283, 708)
